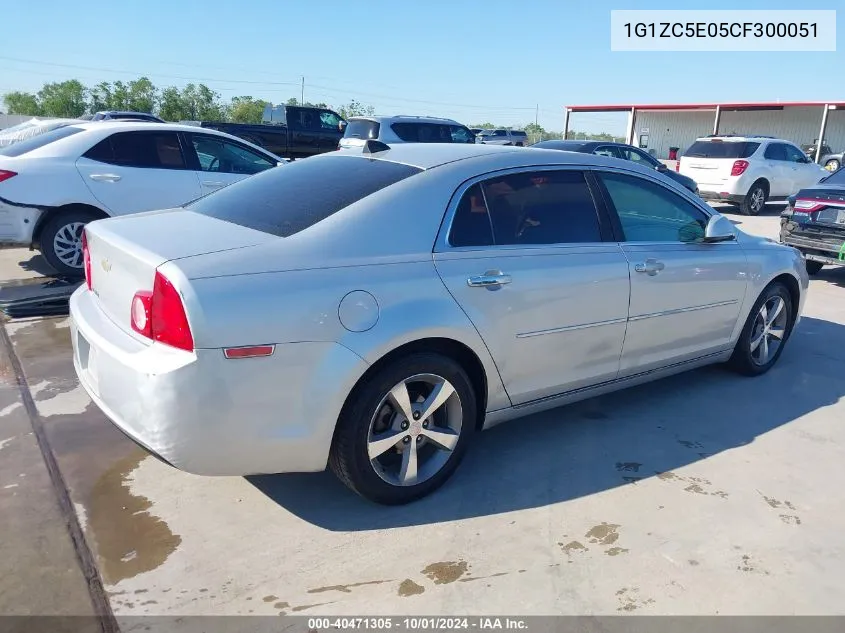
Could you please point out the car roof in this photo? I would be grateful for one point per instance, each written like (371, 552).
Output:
(431, 155)
(407, 118)
(731, 138)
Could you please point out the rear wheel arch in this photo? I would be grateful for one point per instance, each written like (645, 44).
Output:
(451, 348)
(98, 213)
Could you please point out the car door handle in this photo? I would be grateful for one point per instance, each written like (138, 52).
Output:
(650, 267)
(492, 278)
(104, 177)
(209, 183)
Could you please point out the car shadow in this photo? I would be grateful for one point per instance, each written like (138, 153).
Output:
(834, 275)
(38, 264)
(599, 444)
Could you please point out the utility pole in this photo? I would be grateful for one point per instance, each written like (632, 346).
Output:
(302, 93)
(536, 114)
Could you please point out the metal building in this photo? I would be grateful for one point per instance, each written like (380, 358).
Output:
(658, 128)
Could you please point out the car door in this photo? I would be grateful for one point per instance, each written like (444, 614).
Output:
(805, 173)
(530, 258)
(783, 177)
(130, 172)
(685, 294)
(220, 162)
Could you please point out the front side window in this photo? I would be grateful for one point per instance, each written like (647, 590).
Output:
(329, 120)
(461, 134)
(150, 150)
(641, 158)
(222, 156)
(794, 155)
(527, 208)
(649, 212)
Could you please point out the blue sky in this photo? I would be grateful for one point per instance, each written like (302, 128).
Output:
(472, 60)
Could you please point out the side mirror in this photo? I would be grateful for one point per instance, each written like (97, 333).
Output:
(661, 167)
(342, 125)
(719, 229)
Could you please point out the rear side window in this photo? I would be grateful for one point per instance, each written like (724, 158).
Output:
(151, 150)
(722, 149)
(294, 197)
(37, 142)
(423, 132)
(530, 208)
(362, 129)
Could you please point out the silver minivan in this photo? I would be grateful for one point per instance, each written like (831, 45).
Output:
(403, 129)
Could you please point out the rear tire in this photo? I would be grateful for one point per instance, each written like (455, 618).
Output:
(755, 199)
(762, 330)
(61, 241)
(832, 165)
(813, 268)
(371, 413)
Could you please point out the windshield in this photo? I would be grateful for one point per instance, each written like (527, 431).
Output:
(722, 149)
(361, 128)
(290, 199)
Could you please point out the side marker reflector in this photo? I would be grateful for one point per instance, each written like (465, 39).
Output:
(254, 351)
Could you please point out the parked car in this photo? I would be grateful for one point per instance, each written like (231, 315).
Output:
(748, 170)
(623, 151)
(122, 115)
(289, 131)
(53, 184)
(476, 130)
(828, 159)
(393, 130)
(503, 137)
(33, 127)
(282, 324)
(814, 222)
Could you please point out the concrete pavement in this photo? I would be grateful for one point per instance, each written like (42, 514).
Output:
(705, 493)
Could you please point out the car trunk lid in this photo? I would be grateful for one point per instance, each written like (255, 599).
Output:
(124, 253)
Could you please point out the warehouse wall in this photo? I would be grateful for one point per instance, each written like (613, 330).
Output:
(680, 129)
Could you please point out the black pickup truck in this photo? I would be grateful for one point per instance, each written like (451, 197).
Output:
(289, 131)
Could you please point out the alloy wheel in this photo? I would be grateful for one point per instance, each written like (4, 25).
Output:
(758, 198)
(415, 430)
(769, 330)
(67, 244)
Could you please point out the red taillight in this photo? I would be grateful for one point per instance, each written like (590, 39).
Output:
(86, 258)
(5, 174)
(160, 315)
(739, 167)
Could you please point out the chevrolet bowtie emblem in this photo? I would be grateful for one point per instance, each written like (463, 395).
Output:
(106, 264)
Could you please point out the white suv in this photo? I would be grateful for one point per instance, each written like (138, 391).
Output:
(403, 129)
(748, 170)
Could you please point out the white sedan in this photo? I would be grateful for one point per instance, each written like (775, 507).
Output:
(53, 184)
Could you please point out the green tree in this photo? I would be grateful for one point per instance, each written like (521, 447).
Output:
(65, 99)
(247, 110)
(201, 103)
(170, 105)
(22, 103)
(100, 97)
(355, 108)
(141, 95)
(293, 101)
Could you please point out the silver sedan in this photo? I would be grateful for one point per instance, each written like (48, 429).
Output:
(371, 311)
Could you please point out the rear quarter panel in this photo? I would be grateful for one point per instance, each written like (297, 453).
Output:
(409, 303)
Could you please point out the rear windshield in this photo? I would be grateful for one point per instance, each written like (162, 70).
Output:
(36, 142)
(722, 149)
(288, 199)
(362, 129)
(518, 133)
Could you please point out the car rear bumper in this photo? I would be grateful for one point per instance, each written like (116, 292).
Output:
(208, 415)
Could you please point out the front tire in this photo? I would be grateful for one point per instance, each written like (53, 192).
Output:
(813, 268)
(61, 241)
(765, 332)
(755, 199)
(404, 431)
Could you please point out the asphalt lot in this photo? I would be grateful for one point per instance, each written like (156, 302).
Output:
(705, 493)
